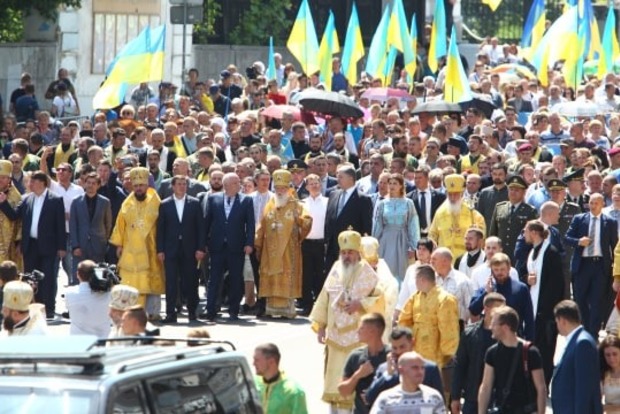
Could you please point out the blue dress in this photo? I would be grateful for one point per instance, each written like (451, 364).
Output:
(397, 227)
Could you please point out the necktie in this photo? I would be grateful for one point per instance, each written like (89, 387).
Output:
(341, 201)
(423, 223)
(229, 201)
(592, 236)
(512, 210)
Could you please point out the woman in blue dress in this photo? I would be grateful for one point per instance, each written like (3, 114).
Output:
(397, 227)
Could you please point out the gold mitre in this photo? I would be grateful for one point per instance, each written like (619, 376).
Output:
(5, 168)
(139, 175)
(370, 249)
(281, 178)
(17, 295)
(350, 240)
(123, 297)
(455, 183)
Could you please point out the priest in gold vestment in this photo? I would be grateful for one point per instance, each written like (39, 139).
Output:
(134, 236)
(10, 231)
(284, 225)
(350, 291)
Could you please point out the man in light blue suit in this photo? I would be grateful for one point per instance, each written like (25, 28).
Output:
(575, 387)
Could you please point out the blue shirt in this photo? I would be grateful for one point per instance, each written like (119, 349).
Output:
(25, 108)
(339, 82)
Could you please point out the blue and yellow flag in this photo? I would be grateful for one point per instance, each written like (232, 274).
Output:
(438, 45)
(302, 42)
(329, 46)
(141, 60)
(609, 48)
(414, 45)
(493, 4)
(534, 28)
(353, 49)
(378, 47)
(271, 62)
(456, 85)
(399, 35)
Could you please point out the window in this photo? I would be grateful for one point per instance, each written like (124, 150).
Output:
(127, 400)
(112, 31)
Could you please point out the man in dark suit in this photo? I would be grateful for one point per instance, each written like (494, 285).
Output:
(90, 222)
(346, 208)
(491, 196)
(180, 167)
(180, 246)
(576, 386)
(594, 236)
(230, 236)
(425, 199)
(327, 182)
(44, 236)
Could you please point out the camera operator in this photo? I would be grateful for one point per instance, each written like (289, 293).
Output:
(21, 316)
(88, 306)
(8, 273)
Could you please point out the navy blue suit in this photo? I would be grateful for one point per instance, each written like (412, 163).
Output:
(226, 239)
(592, 277)
(576, 383)
(42, 253)
(179, 241)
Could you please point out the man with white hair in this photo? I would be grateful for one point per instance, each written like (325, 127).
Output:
(279, 68)
(454, 218)
(348, 293)
(452, 281)
(480, 275)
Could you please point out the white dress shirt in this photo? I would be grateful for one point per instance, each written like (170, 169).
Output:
(88, 311)
(37, 206)
(179, 203)
(68, 195)
(317, 207)
(260, 201)
(559, 354)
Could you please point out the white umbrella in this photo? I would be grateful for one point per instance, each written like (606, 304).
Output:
(577, 109)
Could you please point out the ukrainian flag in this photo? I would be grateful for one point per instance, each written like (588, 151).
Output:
(271, 61)
(378, 47)
(456, 86)
(141, 60)
(303, 42)
(438, 45)
(534, 25)
(493, 4)
(399, 35)
(414, 45)
(329, 46)
(353, 49)
(609, 49)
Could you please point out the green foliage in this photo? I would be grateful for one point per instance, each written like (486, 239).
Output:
(261, 20)
(11, 26)
(47, 8)
(212, 12)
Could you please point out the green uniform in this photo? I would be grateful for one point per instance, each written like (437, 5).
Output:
(508, 226)
(284, 396)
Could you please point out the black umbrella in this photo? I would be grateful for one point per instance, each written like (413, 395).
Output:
(330, 103)
(436, 107)
(482, 102)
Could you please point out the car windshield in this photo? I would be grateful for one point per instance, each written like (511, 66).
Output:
(47, 400)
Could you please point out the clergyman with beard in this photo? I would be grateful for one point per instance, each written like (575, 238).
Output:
(350, 291)
(21, 316)
(134, 238)
(284, 225)
(454, 218)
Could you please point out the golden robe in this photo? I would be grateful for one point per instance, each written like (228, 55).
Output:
(278, 245)
(449, 230)
(135, 231)
(434, 319)
(10, 231)
(341, 328)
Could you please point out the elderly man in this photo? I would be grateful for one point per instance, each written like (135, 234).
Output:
(349, 292)
(20, 317)
(284, 225)
(134, 238)
(454, 217)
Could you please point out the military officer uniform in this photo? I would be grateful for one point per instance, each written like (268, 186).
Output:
(508, 221)
(583, 200)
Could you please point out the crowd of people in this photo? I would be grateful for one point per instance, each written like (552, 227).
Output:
(437, 255)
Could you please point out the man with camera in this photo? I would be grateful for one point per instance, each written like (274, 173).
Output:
(88, 302)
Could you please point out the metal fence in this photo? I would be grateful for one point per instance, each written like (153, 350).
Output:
(506, 22)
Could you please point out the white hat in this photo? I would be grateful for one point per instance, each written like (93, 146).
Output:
(17, 295)
(123, 297)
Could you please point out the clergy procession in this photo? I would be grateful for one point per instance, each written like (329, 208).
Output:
(450, 235)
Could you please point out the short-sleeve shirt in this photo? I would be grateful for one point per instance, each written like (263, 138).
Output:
(356, 358)
(522, 391)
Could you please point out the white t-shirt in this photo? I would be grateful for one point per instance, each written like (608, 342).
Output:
(65, 105)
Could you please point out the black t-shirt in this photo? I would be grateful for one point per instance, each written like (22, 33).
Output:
(17, 93)
(501, 357)
(356, 358)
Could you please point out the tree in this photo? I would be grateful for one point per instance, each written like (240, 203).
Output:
(202, 31)
(262, 20)
(13, 12)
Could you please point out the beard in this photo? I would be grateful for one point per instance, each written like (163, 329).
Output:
(498, 181)
(216, 188)
(8, 323)
(140, 197)
(281, 200)
(455, 208)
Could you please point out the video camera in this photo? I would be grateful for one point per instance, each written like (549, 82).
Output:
(104, 277)
(32, 278)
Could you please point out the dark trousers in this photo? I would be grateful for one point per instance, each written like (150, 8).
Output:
(181, 273)
(546, 338)
(220, 262)
(313, 253)
(38, 258)
(469, 407)
(587, 290)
